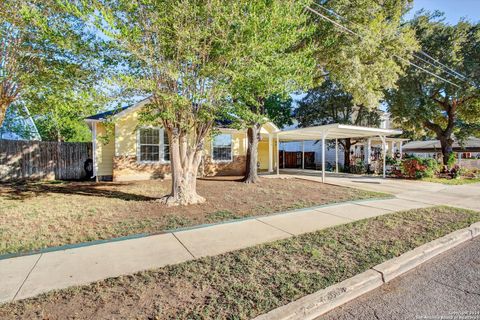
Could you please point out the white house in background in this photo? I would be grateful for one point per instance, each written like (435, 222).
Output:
(393, 145)
(432, 148)
(19, 125)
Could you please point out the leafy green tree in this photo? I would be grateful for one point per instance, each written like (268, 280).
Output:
(44, 57)
(424, 104)
(329, 104)
(176, 52)
(280, 110)
(276, 58)
(365, 60)
(371, 59)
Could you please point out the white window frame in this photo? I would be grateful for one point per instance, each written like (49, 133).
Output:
(231, 151)
(161, 146)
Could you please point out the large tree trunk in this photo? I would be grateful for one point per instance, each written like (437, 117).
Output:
(3, 111)
(184, 161)
(251, 174)
(447, 148)
(346, 155)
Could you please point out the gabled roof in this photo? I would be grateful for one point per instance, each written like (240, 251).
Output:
(18, 124)
(434, 145)
(117, 111)
(106, 114)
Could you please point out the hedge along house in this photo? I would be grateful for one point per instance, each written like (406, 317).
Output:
(124, 149)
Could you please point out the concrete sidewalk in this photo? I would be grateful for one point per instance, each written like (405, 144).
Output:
(464, 196)
(28, 276)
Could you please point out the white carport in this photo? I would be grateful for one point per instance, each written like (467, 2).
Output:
(335, 131)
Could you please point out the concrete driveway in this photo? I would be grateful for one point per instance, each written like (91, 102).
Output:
(465, 196)
(446, 287)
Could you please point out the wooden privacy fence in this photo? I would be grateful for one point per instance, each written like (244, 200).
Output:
(20, 160)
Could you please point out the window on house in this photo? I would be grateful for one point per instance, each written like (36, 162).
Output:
(153, 145)
(166, 147)
(222, 147)
(149, 144)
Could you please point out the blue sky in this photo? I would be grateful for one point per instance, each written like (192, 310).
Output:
(453, 9)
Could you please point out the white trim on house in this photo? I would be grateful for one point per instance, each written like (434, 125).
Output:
(161, 146)
(94, 149)
(231, 149)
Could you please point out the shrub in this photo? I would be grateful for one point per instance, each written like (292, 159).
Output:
(359, 167)
(416, 168)
(431, 167)
(413, 168)
(451, 160)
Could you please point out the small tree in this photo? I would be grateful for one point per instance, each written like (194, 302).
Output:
(423, 103)
(275, 39)
(175, 52)
(330, 104)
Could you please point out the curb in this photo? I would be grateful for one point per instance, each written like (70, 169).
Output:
(320, 302)
(325, 300)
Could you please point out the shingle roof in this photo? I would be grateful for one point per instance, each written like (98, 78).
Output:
(106, 114)
(220, 123)
(470, 143)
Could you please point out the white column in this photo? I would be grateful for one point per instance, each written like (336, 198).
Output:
(303, 154)
(384, 151)
(278, 155)
(270, 153)
(94, 149)
(336, 155)
(400, 149)
(368, 151)
(323, 156)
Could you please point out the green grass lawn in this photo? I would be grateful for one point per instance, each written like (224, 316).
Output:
(459, 181)
(249, 282)
(45, 214)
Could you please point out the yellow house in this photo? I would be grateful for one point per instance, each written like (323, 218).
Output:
(125, 150)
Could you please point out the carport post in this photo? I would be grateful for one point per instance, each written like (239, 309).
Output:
(324, 135)
(270, 153)
(384, 151)
(336, 155)
(303, 154)
(278, 155)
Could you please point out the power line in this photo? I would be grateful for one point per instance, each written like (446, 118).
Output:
(345, 29)
(442, 66)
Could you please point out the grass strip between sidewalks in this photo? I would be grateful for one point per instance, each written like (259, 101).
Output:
(249, 282)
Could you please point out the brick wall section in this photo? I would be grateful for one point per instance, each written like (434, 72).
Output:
(232, 168)
(128, 169)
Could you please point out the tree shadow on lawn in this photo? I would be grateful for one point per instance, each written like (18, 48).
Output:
(26, 189)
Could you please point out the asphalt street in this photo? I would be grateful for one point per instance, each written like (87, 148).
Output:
(446, 287)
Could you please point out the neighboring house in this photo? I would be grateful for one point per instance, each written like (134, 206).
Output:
(467, 153)
(126, 150)
(18, 125)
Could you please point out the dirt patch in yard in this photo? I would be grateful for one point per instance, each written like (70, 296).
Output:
(39, 215)
(252, 281)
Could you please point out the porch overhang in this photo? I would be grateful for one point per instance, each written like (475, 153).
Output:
(335, 131)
